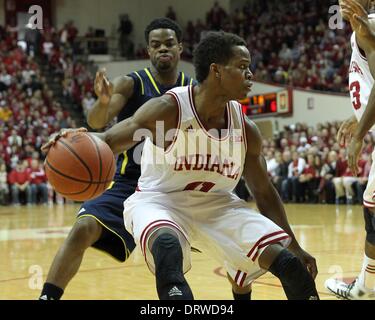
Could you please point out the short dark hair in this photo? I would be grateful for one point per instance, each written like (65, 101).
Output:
(214, 47)
(163, 23)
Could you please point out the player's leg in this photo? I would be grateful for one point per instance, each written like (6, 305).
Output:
(362, 288)
(163, 238)
(240, 293)
(248, 244)
(85, 232)
(297, 282)
(167, 252)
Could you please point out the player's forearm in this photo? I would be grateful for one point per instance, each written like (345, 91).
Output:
(97, 116)
(270, 205)
(120, 136)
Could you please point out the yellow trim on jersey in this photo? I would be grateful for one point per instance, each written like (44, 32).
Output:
(143, 88)
(127, 251)
(124, 163)
(191, 81)
(182, 79)
(152, 80)
(111, 185)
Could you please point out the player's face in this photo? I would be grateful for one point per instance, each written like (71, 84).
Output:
(164, 49)
(236, 75)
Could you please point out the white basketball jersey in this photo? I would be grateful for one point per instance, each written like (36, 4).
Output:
(360, 79)
(195, 160)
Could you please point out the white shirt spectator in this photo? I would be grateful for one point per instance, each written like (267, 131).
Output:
(300, 167)
(15, 140)
(6, 79)
(47, 48)
(272, 166)
(87, 102)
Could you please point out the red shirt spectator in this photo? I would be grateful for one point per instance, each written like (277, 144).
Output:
(20, 175)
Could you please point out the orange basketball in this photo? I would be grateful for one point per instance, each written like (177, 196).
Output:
(80, 166)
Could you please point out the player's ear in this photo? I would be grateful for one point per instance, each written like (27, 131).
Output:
(148, 51)
(215, 70)
(180, 47)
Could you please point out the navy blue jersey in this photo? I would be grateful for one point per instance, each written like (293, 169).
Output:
(145, 88)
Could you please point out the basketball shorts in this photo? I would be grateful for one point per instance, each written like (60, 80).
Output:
(369, 193)
(108, 209)
(221, 224)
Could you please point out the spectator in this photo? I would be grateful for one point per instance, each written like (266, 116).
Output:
(14, 139)
(87, 102)
(326, 189)
(38, 182)
(4, 190)
(19, 181)
(125, 29)
(171, 14)
(290, 185)
(308, 181)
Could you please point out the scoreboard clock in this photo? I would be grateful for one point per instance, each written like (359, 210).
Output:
(268, 104)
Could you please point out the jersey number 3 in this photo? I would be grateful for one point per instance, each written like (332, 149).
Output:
(354, 90)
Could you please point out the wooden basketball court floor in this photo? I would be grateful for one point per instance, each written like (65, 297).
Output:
(30, 237)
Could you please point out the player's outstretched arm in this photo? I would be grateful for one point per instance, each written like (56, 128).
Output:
(266, 196)
(112, 97)
(162, 111)
(125, 134)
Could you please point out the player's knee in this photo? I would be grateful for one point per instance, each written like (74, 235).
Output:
(85, 232)
(369, 225)
(167, 252)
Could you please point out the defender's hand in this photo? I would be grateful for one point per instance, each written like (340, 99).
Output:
(358, 17)
(346, 131)
(103, 87)
(56, 136)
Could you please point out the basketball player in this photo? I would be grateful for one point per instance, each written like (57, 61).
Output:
(100, 222)
(352, 132)
(184, 195)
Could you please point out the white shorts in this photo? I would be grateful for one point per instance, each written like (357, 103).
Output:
(219, 224)
(369, 194)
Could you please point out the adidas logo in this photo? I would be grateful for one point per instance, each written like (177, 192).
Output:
(82, 210)
(174, 292)
(189, 128)
(44, 297)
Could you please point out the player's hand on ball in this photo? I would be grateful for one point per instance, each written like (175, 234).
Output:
(103, 87)
(56, 136)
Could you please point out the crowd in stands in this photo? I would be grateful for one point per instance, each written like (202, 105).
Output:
(289, 44)
(307, 164)
(29, 114)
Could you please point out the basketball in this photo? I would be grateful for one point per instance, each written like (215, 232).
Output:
(80, 166)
